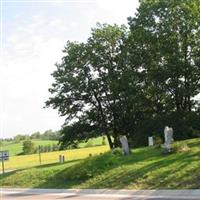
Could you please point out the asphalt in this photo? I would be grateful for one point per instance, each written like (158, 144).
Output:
(90, 194)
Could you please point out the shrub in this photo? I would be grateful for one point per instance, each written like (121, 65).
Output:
(118, 151)
(196, 133)
(28, 147)
(157, 141)
(180, 147)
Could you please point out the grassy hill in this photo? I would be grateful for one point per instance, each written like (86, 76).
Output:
(24, 161)
(145, 168)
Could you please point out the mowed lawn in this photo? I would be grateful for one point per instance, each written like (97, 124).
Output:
(144, 168)
(17, 162)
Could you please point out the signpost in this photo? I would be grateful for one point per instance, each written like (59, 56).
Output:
(4, 156)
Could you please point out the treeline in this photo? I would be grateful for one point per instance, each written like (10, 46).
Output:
(47, 135)
(30, 147)
(133, 80)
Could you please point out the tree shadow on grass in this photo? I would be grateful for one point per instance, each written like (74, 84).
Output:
(142, 177)
(6, 179)
(194, 144)
(121, 179)
(118, 172)
(55, 164)
(7, 174)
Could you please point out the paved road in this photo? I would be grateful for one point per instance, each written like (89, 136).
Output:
(16, 196)
(32, 195)
(92, 194)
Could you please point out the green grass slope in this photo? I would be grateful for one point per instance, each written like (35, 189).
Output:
(145, 168)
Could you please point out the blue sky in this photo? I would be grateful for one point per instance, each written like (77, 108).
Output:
(34, 35)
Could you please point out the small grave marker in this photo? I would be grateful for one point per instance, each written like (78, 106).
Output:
(124, 143)
(150, 139)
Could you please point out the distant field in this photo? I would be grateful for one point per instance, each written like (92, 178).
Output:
(94, 142)
(17, 162)
(16, 148)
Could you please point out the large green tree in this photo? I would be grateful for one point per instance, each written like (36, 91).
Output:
(165, 39)
(87, 84)
(164, 46)
(132, 82)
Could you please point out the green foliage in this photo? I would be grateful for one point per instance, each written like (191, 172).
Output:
(47, 135)
(35, 135)
(180, 147)
(91, 70)
(157, 141)
(19, 138)
(118, 151)
(28, 147)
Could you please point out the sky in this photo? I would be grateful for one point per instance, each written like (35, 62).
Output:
(33, 35)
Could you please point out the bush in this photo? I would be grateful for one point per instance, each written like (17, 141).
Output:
(118, 151)
(157, 141)
(196, 133)
(180, 147)
(28, 147)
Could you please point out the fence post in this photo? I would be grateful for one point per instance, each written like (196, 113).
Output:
(39, 156)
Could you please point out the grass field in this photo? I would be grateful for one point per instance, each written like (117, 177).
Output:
(145, 168)
(16, 148)
(17, 162)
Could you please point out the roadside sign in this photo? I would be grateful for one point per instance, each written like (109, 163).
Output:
(4, 155)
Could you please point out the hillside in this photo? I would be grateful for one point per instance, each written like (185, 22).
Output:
(145, 168)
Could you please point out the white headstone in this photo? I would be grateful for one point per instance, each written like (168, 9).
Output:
(61, 158)
(150, 139)
(124, 143)
(168, 133)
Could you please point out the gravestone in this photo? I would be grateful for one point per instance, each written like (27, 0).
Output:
(124, 143)
(168, 134)
(150, 140)
(61, 158)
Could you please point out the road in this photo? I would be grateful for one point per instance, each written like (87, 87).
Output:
(44, 195)
(73, 197)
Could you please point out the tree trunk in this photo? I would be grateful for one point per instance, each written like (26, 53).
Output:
(116, 140)
(109, 141)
